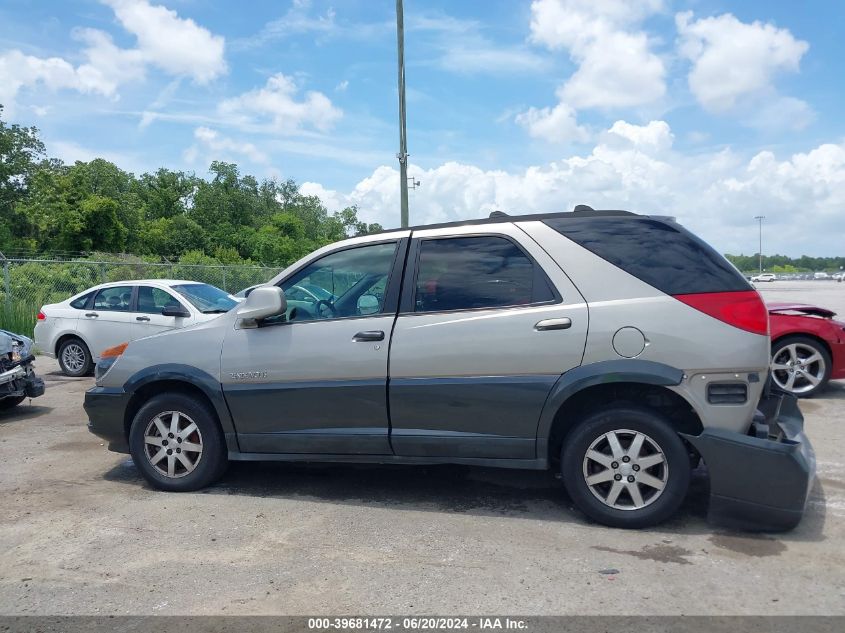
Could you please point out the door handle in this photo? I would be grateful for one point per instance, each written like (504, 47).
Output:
(553, 324)
(142, 318)
(372, 335)
(91, 314)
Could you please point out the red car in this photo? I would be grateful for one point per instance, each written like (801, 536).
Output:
(808, 347)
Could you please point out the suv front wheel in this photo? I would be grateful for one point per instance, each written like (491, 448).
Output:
(177, 444)
(624, 466)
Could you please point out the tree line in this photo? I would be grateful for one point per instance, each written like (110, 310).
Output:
(230, 218)
(784, 264)
(234, 218)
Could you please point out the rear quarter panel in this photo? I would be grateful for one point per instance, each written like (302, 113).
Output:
(675, 334)
(61, 320)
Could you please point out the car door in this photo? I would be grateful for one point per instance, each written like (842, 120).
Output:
(487, 325)
(316, 380)
(109, 320)
(148, 317)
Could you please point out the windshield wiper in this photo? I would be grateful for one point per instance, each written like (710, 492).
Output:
(215, 311)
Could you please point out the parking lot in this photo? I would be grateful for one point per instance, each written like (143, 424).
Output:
(81, 533)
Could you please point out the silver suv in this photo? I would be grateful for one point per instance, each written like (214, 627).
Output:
(616, 348)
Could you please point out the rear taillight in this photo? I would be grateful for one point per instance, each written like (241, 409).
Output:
(41, 316)
(744, 309)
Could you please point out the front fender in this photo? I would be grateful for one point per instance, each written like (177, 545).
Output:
(176, 372)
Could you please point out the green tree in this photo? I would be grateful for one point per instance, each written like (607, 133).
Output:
(20, 154)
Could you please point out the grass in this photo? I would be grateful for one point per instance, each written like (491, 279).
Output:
(18, 317)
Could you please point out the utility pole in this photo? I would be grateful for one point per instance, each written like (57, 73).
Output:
(403, 140)
(760, 219)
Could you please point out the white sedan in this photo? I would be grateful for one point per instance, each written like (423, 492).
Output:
(77, 330)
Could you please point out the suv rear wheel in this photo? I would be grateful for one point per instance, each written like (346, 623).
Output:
(625, 466)
(177, 444)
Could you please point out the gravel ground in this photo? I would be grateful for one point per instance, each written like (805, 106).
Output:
(80, 533)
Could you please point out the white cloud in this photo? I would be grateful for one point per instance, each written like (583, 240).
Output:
(108, 66)
(211, 145)
(556, 125)
(777, 113)
(276, 104)
(342, 86)
(634, 167)
(652, 138)
(177, 45)
(18, 71)
(616, 67)
(732, 59)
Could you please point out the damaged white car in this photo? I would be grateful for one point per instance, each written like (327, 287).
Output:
(17, 375)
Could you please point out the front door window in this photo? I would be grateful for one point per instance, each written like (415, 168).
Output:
(344, 284)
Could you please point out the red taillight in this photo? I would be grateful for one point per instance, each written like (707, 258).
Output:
(41, 316)
(744, 309)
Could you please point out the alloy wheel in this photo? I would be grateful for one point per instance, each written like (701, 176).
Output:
(798, 368)
(173, 444)
(73, 357)
(625, 470)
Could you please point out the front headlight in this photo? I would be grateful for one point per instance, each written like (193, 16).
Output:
(108, 358)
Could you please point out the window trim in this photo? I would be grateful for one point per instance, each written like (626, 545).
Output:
(411, 277)
(392, 287)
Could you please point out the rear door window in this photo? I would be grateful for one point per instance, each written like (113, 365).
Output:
(115, 299)
(467, 273)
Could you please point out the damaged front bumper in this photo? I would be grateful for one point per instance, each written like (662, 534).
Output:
(760, 482)
(20, 380)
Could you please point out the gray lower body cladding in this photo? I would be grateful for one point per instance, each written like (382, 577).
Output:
(760, 484)
(755, 483)
(106, 408)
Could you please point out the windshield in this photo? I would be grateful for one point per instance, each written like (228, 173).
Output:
(205, 298)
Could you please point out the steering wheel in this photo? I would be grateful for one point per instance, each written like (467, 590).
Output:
(328, 304)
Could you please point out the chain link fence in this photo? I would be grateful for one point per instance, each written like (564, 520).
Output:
(27, 284)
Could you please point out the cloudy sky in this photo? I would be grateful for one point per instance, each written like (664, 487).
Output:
(713, 111)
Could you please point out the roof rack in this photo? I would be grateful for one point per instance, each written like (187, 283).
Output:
(580, 211)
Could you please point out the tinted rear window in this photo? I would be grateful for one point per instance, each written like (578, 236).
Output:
(661, 253)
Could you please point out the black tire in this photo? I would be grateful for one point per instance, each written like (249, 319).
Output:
(11, 403)
(84, 368)
(211, 462)
(781, 377)
(658, 432)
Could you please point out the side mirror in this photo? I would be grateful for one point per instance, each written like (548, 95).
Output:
(175, 310)
(263, 302)
(367, 304)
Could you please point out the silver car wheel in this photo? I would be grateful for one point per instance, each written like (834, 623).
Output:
(798, 368)
(173, 444)
(625, 470)
(73, 357)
